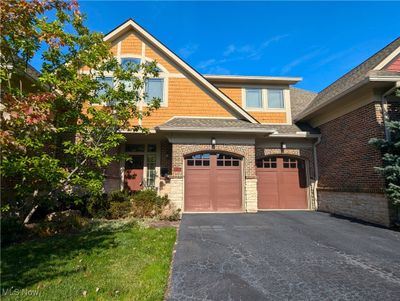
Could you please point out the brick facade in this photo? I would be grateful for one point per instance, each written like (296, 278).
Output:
(348, 184)
(346, 159)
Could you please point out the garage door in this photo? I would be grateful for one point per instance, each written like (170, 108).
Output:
(213, 182)
(281, 183)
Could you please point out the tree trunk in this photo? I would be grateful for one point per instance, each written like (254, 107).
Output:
(29, 216)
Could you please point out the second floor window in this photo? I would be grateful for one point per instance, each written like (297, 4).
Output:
(254, 98)
(106, 80)
(154, 89)
(125, 61)
(275, 99)
(264, 99)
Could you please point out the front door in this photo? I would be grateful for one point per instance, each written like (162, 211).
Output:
(134, 173)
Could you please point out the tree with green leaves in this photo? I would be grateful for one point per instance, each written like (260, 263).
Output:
(60, 138)
(390, 169)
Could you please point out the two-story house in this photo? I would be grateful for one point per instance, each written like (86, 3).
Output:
(217, 143)
(222, 143)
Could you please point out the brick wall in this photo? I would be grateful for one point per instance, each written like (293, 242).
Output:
(346, 160)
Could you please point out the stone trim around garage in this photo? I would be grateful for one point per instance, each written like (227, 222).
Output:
(370, 207)
(179, 151)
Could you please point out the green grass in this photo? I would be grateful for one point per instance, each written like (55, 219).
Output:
(123, 260)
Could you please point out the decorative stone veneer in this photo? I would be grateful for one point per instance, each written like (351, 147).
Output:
(179, 151)
(251, 196)
(370, 207)
(176, 192)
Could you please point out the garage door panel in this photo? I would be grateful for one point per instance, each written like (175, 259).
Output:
(228, 192)
(292, 196)
(280, 184)
(198, 194)
(216, 186)
(267, 188)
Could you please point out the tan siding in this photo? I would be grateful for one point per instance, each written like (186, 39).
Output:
(235, 93)
(186, 99)
(131, 44)
(156, 55)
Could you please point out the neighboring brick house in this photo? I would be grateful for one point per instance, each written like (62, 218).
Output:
(348, 114)
(223, 143)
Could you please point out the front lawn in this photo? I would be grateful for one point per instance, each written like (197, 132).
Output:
(115, 260)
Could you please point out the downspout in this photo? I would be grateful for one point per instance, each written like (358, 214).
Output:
(384, 108)
(316, 171)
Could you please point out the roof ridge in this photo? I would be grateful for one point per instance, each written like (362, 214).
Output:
(349, 79)
(397, 40)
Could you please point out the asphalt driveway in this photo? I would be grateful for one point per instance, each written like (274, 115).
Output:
(284, 256)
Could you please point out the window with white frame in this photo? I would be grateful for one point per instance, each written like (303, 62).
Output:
(275, 99)
(127, 61)
(254, 98)
(264, 99)
(154, 88)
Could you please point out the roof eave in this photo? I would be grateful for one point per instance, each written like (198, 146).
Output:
(221, 79)
(214, 130)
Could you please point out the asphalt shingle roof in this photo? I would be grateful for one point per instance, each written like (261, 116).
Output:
(299, 99)
(351, 78)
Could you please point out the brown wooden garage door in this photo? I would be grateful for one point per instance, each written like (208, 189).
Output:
(213, 182)
(281, 183)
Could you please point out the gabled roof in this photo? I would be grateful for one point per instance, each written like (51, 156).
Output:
(367, 71)
(130, 24)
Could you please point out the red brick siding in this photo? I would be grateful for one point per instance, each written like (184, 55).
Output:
(394, 65)
(346, 160)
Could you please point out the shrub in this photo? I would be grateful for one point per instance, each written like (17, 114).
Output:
(148, 203)
(119, 196)
(98, 206)
(12, 229)
(119, 209)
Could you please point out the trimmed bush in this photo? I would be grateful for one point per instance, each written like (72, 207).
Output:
(146, 203)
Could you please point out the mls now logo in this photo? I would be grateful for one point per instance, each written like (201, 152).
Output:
(19, 292)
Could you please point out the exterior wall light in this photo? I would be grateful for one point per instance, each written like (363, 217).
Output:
(213, 142)
(283, 145)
